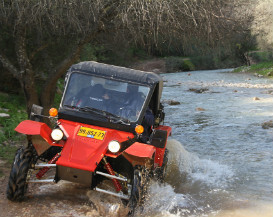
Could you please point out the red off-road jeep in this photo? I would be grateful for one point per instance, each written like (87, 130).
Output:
(109, 126)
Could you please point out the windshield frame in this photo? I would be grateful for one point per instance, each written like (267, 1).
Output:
(91, 116)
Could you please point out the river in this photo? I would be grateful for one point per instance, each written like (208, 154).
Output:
(221, 158)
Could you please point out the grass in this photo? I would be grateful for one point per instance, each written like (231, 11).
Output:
(7, 153)
(262, 68)
(13, 105)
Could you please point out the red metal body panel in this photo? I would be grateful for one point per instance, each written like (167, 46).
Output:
(159, 154)
(141, 150)
(29, 127)
(85, 153)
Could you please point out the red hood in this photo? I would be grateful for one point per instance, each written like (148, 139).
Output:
(83, 152)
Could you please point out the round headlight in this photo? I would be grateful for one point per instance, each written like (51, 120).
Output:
(114, 146)
(57, 134)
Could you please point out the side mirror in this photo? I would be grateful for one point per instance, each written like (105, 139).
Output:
(36, 113)
(159, 138)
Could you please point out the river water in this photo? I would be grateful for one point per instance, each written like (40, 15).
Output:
(221, 158)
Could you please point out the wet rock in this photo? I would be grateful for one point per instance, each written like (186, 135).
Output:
(3, 109)
(189, 74)
(4, 115)
(268, 92)
(172, 102)
(270, 73)
(200, 109)
(267, 125)
(256, 98)
(199, 90)
(235, 91)
(258, 75)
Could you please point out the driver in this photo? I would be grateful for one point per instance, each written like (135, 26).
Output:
(92, 96)
(133, 103)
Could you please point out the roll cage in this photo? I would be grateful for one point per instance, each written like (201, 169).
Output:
(135, 77)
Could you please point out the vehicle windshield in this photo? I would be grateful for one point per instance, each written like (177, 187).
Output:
(117, 99)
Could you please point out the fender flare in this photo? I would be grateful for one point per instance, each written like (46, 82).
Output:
(141, 150)
(160, 151)
(29, 127)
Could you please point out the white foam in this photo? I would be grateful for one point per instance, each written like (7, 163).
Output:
(207, 171)
(163, 199)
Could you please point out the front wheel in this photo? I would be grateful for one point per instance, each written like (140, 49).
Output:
(138, 189)
(17, 184)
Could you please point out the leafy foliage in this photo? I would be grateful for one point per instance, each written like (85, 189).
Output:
(263, 68)
(15, 107)
(175, 64)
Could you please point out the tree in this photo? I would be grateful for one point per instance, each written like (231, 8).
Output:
(263, 23)
(40, 39)
(33, 29)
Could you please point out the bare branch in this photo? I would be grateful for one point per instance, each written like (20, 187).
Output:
(9, 66)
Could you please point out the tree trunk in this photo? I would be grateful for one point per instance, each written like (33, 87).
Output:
(49, 90)
(26, 75)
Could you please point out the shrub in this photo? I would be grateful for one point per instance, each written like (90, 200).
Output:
(16, 108)
(176, 64)
(260, 56)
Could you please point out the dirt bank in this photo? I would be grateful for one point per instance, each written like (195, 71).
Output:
(154, 65)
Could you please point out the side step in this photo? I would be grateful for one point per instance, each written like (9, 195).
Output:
(41, 180)
(44, 165)
(126, 197)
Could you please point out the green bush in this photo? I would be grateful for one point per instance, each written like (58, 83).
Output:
(263, 68)
(203, 62)
(261, 56)
(188, 65)
(176, 64)
(14, 105)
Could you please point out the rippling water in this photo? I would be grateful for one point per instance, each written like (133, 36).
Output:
(221, 158)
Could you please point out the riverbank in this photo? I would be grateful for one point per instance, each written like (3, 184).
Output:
(259, 69)
(177, 64)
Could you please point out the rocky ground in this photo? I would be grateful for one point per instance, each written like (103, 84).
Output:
(59, 200)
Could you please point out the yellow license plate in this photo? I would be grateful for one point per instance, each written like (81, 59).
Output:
(91, 133)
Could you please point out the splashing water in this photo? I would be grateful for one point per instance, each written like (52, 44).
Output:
(206, 171)
(187, 175)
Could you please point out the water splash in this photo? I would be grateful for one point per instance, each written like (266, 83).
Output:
(187, 177)
(205, 171)
(162, 200)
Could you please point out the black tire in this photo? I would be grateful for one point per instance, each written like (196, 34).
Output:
(138, 191)
(17, 185)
